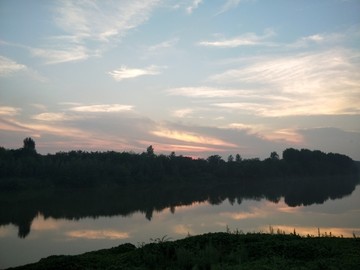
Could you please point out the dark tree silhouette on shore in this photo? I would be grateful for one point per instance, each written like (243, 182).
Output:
(29, 145)
(84, 169)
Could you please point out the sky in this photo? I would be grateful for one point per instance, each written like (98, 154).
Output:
(196, 77)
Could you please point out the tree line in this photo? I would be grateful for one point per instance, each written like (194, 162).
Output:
(24, 166)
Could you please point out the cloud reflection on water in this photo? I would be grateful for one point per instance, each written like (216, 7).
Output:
(98, 234)
(183, 229)
(52, 236)
(41, 223)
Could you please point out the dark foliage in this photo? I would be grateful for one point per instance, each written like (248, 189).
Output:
(84, 169)
(219, 251)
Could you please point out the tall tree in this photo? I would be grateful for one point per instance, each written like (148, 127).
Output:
(29, 145)
(230, 158)
(274, 156)
(150, 150)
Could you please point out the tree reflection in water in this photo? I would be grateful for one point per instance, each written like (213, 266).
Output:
(20, 208)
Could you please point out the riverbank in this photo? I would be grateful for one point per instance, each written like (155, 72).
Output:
(219, 251)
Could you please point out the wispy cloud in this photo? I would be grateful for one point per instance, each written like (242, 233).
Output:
(194, 5)
(8, 66)
(207, 92)
(287, 135)
(36, 129)
(230, 4)
(312, 83)
(103, 24)
(183, 229)
(244, 215)
(61, 55)
(163, 45)
(54, 117)
(9, 111)
(103, 108)
(98, 234)
(190, 137)
(89, 20)
(181, 113)
(129, 73)
(321, 38)
(252, 129)
(248, 39)
(188, 149)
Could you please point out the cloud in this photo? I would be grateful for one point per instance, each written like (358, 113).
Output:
(324, 38)
(315, 38)
(9, 111)
(241, 126)
(207, 92)
(129, 73)
(248, 39)
(194, 5)
(12, 126)
(61, 55)
(190, 137)
(189, 150)
(183, 229)
(181, 113)
(43, 224)
(98, 234)
(101, 24)
(37, 129)
(8, 66)
(54, 117)
(305, 84)
(286, 135)
(103, 108)
(230, 4)
(244, 215)
(163, 45)
(101, 21)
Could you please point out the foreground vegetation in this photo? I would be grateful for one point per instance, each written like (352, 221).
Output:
(219, 251)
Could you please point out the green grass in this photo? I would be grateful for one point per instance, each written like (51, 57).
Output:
(219, 251)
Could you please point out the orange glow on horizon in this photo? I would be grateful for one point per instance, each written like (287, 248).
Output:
(191, 137)
(312, 231)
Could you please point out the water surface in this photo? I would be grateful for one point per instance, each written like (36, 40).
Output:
(57, 228)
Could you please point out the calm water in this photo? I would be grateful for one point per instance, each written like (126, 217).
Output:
(73, 234)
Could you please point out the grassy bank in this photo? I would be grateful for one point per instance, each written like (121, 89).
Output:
(219, 251)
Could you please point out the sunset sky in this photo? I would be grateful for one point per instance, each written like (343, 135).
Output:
(197, 77)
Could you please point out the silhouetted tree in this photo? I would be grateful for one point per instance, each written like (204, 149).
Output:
(238, 158)
(214, 160)
(230, 158)
(291, 155)
(150, 150)
(29, 145)
(274, 156)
